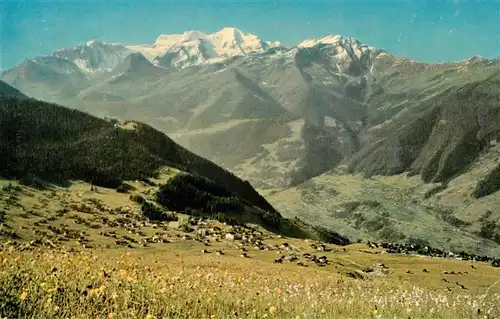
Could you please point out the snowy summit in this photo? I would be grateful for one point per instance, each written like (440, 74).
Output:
(194, 47)
(95, 56)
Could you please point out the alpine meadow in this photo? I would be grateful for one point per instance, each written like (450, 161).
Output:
(218, 174)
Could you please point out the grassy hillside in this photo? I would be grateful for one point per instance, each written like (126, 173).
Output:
(81, 253)
(402, 208)
(189, 284)
(58, 144)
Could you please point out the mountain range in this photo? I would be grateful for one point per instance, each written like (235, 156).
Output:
(332, 130)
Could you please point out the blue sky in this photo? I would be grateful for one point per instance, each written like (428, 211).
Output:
(427, 31)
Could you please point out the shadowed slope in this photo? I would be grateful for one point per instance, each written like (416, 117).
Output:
(57, 143)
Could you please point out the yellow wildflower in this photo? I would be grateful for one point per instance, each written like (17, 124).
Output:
(123, 273)
(272, 309)
(23, 295)
(131, 279)
(97, 291)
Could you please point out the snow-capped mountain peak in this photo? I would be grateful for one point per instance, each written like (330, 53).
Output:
(165, 41)
(94, 43)
(331, 39)
(341, 48)
(230, 32)
(94, 56)
(195, 47)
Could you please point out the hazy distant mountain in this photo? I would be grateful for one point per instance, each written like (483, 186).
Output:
(52, 78)
(94, 56)
(280, 116)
